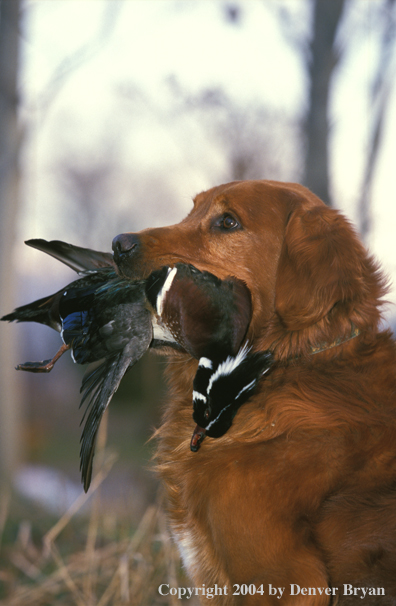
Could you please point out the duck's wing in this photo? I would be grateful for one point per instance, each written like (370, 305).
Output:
(99, 386)
(78, 258)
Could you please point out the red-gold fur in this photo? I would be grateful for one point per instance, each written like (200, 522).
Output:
(302, 488)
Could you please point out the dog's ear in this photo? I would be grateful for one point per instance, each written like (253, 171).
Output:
(322, 264)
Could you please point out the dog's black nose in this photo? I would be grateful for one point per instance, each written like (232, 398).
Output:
(125, 244)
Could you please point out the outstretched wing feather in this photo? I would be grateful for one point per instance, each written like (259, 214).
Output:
(78, 258)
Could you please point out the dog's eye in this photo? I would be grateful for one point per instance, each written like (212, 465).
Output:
(227, 222)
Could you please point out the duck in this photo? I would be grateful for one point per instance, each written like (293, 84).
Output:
(100, 317)
(104, 317)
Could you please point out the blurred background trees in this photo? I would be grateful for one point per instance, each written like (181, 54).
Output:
(10, 149)
(321, 58)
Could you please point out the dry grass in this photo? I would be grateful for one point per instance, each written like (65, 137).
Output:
(101, 570)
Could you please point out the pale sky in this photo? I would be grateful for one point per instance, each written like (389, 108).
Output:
(147, 41)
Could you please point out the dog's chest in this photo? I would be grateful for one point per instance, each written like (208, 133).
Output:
(187, 545)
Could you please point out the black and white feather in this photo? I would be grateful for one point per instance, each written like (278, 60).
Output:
(220, 389)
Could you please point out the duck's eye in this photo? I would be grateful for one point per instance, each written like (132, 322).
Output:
(227, 222)
(207, 413)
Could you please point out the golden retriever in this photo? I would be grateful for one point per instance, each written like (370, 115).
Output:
(296, 503)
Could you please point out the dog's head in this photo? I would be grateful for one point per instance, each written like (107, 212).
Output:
(309, 277)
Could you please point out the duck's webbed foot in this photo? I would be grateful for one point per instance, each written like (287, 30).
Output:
(45, 365)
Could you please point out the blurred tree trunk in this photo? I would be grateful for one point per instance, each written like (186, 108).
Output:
(380, 94)
(10, 443)
(327, 15)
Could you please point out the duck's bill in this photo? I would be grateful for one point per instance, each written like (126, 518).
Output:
(197, 438)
